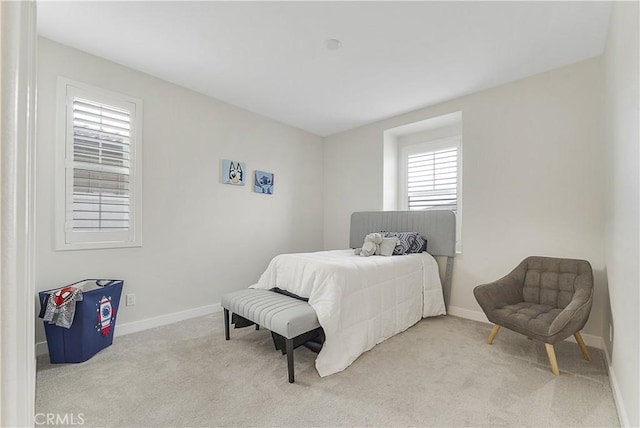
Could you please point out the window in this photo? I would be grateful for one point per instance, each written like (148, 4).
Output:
(99, 168)
(431, 178)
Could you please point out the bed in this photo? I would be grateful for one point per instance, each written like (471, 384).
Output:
(362, 301)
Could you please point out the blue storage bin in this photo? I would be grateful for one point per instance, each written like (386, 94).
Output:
(95, 315)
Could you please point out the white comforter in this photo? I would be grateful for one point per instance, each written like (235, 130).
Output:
(360, 301)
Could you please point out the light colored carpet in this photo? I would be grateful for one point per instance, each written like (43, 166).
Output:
(440, 372)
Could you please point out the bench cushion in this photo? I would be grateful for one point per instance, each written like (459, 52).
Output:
(284, 315)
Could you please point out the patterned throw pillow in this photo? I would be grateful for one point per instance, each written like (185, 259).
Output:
(408, 242)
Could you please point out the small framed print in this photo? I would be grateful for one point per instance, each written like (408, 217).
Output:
(263, 182)
(232, 172)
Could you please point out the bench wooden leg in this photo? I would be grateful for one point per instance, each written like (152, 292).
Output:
(226, 324)
(289, 347)
(257, 327)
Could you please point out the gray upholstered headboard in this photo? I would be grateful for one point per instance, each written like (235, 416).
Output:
(439, 227)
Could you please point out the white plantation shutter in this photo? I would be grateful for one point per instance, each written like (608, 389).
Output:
(432, 179)
(102, 163)
(101, 167)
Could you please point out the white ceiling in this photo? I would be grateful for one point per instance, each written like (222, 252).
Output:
(269, 57)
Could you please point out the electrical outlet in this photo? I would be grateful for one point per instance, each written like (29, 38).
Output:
(131, 299)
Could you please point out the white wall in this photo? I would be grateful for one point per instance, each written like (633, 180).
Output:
(200, 238)
(622, 233)
(532, 171)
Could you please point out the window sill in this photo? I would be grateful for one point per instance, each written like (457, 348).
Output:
(96, 245)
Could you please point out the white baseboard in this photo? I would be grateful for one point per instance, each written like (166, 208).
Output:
(468, 314)
(146, 324)
(617, 395)
(589, 340)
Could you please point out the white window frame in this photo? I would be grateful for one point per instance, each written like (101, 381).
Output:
(65, 237)
(430, 146)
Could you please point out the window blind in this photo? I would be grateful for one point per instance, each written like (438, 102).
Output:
(432, 181)
(101, 167)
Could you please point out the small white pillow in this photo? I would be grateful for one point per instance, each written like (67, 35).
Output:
(386, 247)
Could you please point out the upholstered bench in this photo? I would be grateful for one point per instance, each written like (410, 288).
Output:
(283, 315)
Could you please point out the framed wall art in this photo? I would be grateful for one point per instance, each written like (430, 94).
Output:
(263, 182)
(232, 172)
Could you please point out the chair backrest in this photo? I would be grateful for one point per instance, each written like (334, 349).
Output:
(554, 281)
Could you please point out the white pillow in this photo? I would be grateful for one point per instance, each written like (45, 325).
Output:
(387, 246)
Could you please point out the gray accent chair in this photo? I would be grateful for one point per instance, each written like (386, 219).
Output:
(544, 298)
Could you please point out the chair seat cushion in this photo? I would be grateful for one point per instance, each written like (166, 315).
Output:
(531, 319)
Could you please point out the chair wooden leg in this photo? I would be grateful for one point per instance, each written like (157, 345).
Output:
(493, 333)
(551, 353)
(583, 348)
